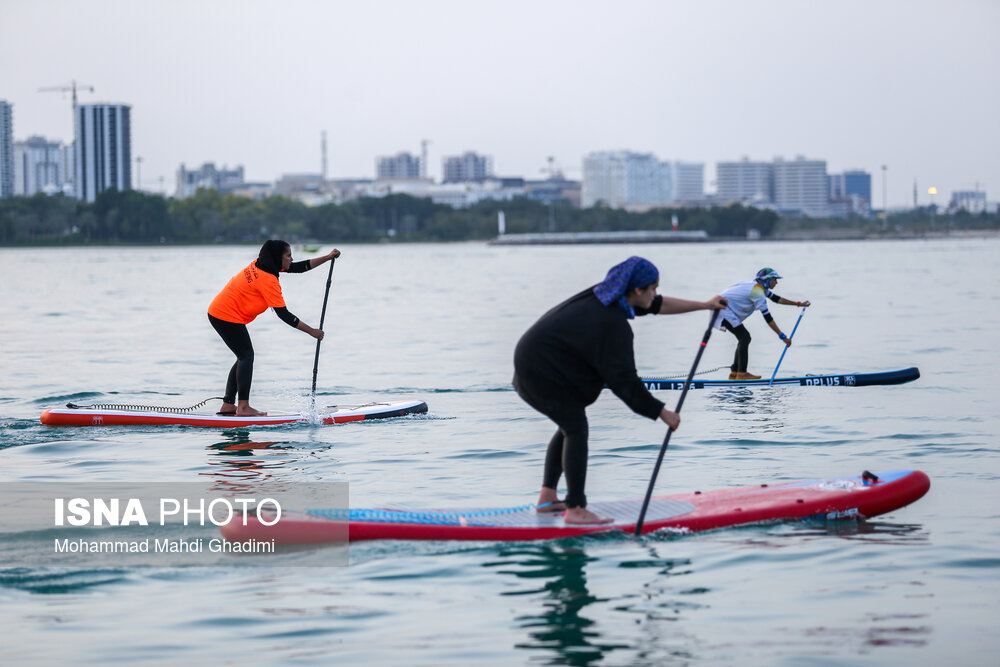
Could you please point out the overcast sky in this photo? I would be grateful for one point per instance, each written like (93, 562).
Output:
(910, 84)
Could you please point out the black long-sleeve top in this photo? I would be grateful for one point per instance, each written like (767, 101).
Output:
(580, 346)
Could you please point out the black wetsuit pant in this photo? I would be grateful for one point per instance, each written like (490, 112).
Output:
(742, 356)
(567, 452)
(237, 338)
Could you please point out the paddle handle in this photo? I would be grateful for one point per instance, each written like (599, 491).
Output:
(782, 357)
(322, 318)
(666, 440)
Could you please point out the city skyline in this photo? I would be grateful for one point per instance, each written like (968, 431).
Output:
(902, 84)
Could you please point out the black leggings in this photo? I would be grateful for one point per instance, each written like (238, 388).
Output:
(742, 356)
(237, 338)
(568, 449)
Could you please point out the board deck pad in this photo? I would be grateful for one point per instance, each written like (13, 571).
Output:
(853, 498)
(522, 516)
(335, 414)
(901, 376)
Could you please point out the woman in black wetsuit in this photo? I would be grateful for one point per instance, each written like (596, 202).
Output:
(564, 360)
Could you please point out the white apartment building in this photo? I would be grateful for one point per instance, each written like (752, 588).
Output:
(745, 181)
(687, 181)
(801, 185)
(468, 166)
(6, 149)
(209, 177)
(456, 195)
(103, 149)
(41, 165)
(623, 179)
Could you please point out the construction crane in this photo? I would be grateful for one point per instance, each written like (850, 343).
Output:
(71, 87)
(553, 170)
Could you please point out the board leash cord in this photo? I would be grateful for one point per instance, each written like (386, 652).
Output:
(131, 407)
(684, 375)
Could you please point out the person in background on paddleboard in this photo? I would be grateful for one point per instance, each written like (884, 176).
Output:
(744, 298)
(248, 294)
(565, 359)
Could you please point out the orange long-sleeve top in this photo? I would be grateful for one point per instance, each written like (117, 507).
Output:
(247, 294)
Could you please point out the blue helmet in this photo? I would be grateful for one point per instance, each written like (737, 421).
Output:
(766, 274)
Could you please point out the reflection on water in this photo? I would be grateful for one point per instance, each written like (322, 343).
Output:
(760, 410)
(563, 618)
(239, 443)
(238, 458)
(560, 625)
(747, 401)
(875, 532)
(566, 619)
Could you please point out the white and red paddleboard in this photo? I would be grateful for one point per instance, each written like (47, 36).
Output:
(838, 498)
(337, 414)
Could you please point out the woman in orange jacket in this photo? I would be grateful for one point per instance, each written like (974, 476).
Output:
(248, 294)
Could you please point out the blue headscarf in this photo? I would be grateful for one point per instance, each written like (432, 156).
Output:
(622, 278)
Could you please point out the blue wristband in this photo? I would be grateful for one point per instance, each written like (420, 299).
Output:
(782, 336)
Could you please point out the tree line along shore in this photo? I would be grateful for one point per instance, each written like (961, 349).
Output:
(131, 217)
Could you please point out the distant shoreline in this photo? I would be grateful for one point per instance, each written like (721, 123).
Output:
(588, 239)
(861, 235)
(576, 238)
(611, 238)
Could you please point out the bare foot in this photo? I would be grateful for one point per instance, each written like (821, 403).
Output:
(554, 506)
(548, 501)
(249, 412)
(583, 515)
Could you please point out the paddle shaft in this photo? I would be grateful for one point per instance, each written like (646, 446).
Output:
(322, 318)
(666, 440)
(775, 373)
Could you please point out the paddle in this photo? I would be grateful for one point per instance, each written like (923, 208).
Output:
(322, 317)
(666, 440)
(786, 347)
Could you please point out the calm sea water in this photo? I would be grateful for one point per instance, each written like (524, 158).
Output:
(919, 586)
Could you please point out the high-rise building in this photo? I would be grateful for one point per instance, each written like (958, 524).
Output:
(399, 167)
(745, 180)
(207, 176)
(622, 179)
(850, 193)
(103, 152)
(801, 185)
(858, 183)
(40, 165)
(468, 166)
(6, 149)
(836, 186)
(687, 181)
(852, 183)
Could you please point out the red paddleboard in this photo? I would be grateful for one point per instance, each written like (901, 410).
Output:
(837, 498)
